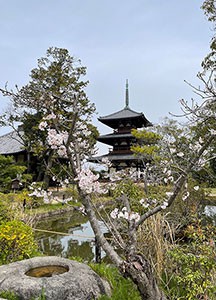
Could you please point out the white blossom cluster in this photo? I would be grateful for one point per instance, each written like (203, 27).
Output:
(145, 202)
(58, 139)
(123, 213)
(40, 193)
(168, 175)
(106, 162)
(212, 131)
(44, 124)
(88, 182)
(81, 129)
(55, 139)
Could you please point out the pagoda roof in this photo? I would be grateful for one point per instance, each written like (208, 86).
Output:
(11, 143)
(122, 114)
(110, 138)
(113, 119)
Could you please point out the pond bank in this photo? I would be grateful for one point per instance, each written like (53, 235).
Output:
(52, 213)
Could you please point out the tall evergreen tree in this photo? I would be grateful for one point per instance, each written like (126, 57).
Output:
(56, 90)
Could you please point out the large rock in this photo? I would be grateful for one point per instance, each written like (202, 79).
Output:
(79, 282)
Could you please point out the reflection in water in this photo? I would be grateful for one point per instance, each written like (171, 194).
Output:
(79, 240)
(210, 211)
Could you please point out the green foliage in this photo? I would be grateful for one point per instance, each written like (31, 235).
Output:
(16, 242)
(193, 272)
(129, 188)
(146, 137)
(8, 171)
(11, 204)
(207, 175)
(4, 209)
(157, 191)
(77, 258)
(122, 288)
(146, 144)
(32, 134)
(209, 7)
(42, 296)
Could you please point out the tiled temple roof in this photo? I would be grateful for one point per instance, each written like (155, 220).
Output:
(11, 143)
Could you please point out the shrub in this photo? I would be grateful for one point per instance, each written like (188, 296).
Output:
(16, 242)
(191, 270)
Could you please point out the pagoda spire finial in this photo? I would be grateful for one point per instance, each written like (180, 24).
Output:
(127, 95)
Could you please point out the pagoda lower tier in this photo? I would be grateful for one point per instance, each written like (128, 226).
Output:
(120, 154)
(120, 142)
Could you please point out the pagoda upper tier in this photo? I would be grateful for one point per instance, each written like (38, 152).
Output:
(125, 118)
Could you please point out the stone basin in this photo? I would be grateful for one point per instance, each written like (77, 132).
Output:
(46, 271)
(57, 278)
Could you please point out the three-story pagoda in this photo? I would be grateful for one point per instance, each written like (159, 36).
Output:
(121, 139)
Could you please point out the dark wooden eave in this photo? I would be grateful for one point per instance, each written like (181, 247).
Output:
(138, 119)
(128, 158)
(110, 139)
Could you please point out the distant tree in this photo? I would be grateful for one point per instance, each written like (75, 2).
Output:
(209, 8)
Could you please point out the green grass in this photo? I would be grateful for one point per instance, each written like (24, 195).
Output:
(122, 288)
(9, 295)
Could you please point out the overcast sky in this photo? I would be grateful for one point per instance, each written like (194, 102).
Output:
(155, 44)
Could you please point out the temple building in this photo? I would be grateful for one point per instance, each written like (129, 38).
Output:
(11, 144)
(121, 139)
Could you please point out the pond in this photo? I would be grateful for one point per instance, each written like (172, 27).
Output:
(210, 211)
(72, 236)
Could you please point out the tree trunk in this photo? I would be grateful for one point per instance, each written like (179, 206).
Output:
(28, 162)
(140, 272)
(135, 267)
(49, 164)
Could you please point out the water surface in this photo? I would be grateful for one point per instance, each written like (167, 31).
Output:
(79, 240)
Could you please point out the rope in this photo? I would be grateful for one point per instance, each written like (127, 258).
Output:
(63, 233)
